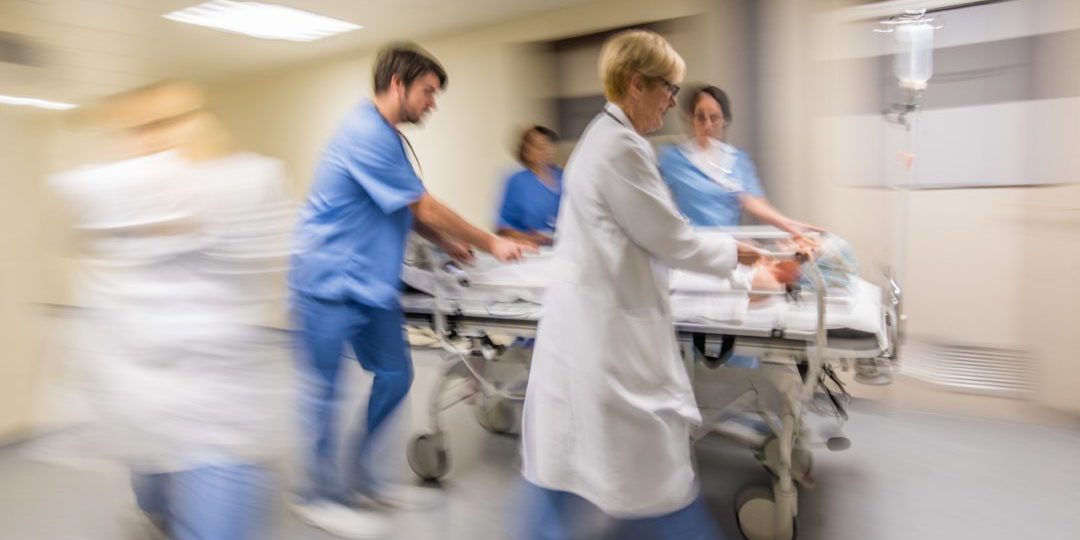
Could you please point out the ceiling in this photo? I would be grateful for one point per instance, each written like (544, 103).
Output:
(75, 50)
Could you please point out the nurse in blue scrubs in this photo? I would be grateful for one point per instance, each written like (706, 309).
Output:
(713, 182)
(530, 203)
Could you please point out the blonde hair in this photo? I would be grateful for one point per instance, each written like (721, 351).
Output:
(639, 51)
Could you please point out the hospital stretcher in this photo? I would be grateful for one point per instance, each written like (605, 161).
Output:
(802, 338)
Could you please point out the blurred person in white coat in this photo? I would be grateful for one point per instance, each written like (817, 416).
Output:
(173, 373)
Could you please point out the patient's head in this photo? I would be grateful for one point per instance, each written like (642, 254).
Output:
(834, 259)
(837, 263)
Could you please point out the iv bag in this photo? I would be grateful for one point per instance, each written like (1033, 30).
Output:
(913, 65)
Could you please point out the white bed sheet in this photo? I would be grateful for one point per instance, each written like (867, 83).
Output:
(516, 291)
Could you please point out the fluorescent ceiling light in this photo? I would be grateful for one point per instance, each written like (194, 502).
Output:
(266, 21)
(34, 102)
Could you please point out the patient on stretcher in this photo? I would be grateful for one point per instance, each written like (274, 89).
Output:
(833, 257)
(525, 282)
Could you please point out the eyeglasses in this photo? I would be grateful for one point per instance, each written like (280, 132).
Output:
(673, 89)
(710, 118)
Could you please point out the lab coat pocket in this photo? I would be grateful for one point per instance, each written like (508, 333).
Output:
(646, 360)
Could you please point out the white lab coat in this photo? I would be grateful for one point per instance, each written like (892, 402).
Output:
(170, 367)
(610, 406)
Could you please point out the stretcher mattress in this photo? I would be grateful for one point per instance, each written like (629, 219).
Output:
(515, 291)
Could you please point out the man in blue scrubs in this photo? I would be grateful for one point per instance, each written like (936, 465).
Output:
(346, 264)
(530, 204)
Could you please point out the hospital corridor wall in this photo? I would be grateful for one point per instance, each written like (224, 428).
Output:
(979, 297)
(26, 255)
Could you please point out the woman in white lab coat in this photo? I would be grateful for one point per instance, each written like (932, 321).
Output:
(610, 406)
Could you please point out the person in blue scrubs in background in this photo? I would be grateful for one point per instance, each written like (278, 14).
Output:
(713, 182)
(530, 204)
(345, 279)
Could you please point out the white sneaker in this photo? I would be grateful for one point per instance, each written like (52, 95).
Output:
(342, 521)
(404, 497)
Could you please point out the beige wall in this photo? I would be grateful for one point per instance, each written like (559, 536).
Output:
(24, 278)
(987, 267)
(1049, 317)
(497, 85)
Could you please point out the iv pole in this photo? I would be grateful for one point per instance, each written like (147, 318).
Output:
(913, 66)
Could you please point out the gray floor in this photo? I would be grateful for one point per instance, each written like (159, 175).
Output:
(908, 475)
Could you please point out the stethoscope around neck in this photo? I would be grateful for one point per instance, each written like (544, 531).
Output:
(727, 172)
(412, 151)
(615, 118)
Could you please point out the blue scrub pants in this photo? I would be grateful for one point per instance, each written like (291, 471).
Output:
(377, 337)
(558, 515)
(226, 502)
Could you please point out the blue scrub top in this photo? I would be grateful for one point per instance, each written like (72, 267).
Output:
(529, 204)
(350, 241)
(704, 201)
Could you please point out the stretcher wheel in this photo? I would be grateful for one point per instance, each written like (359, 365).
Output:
(838, 444)
(868, 371)
(495, 414)
(428, 457)
(755, 513)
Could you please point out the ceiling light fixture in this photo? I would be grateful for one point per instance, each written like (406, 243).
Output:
(265, 21)
(34, 102)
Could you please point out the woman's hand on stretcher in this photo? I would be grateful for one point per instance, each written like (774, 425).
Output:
(508, 250)
(806, 244)
(806, 236)
(805, 247)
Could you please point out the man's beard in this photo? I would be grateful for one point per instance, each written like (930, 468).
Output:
(408, 115)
